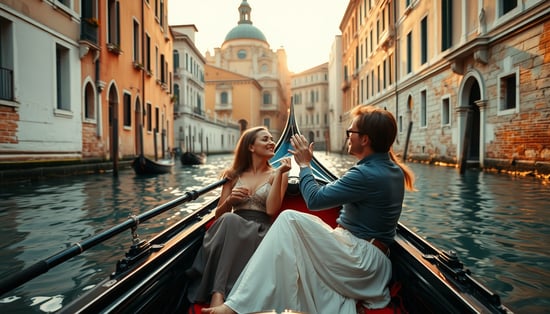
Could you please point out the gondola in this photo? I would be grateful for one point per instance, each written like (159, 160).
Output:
(189, 158)
(146, 166)
(150, 277)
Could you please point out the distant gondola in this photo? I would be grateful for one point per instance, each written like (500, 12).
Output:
(145, 166)
(189, 158)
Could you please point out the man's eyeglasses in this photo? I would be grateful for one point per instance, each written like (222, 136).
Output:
(349, 132)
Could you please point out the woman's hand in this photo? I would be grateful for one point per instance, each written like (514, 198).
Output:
(238, 195)
(285, 165)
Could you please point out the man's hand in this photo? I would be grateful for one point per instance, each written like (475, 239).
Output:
(303, 151)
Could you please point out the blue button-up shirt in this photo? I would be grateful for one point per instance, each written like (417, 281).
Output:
(371, 193)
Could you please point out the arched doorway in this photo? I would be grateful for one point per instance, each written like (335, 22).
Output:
(471, 120)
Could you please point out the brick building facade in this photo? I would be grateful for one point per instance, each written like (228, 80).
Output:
(467, 81)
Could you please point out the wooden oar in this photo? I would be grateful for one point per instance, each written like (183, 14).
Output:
(17, 279)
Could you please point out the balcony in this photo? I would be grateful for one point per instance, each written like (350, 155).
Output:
(223, 107)
(6, 84)
(269, 107)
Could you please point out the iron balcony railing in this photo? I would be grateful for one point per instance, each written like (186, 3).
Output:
(6, 84)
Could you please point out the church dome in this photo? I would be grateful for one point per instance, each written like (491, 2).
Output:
(245, 31)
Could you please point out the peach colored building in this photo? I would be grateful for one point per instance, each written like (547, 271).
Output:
(134, 80)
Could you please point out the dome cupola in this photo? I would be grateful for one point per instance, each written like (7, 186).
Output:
(245, 29)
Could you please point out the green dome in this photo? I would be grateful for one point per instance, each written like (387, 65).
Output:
(245, 31)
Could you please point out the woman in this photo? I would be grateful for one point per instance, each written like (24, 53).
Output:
(305, 265)
(249, 200)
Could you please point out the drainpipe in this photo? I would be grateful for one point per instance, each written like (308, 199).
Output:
(99, 88)
(143, 102)
(396, 50)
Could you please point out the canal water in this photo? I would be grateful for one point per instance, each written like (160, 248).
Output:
(497, 224)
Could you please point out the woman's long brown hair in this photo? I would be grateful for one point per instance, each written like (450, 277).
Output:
(243, 156)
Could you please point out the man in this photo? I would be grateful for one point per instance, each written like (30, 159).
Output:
(305, 265)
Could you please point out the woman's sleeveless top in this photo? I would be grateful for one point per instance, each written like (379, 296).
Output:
(257, 200)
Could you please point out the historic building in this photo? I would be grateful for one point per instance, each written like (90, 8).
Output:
(86, 81)
(134, 79)
(195, 129)
(467, 80)
(337, 138)
(40, 89)
(310, 95)
(246, 81)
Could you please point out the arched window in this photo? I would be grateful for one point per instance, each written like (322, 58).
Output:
(89, 102)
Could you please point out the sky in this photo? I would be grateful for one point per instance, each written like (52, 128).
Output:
(304, 28)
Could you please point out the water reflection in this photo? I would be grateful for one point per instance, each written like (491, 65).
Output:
(496, 223)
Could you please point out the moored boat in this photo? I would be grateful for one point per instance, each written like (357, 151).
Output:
(189, 158)
(150, 277)
(146, 166)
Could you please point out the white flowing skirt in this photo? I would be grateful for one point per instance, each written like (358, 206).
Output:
(304, 265)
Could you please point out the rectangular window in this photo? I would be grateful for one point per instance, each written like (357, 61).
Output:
(507, 6)
(446, 24)
(508, 92)
(113, 18)
(423, 109)
(63, 80)
(267, 123)
(372, 82)
(176, 60)
(362, 91)
(379, 78)
(384, 75)
(367, 86)
(161, 13)
(157, 119)
(162, 69)
(157, 71)
(390, 69)
(136, 42)
(267, 98)
(127, 110)
(66, 3)
(424, 40)
(409, 52)
(149, 118)
(148, 52)
(370, 38)
(6, 59)
(445, 111)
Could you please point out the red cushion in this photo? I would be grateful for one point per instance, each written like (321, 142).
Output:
(296, 202)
